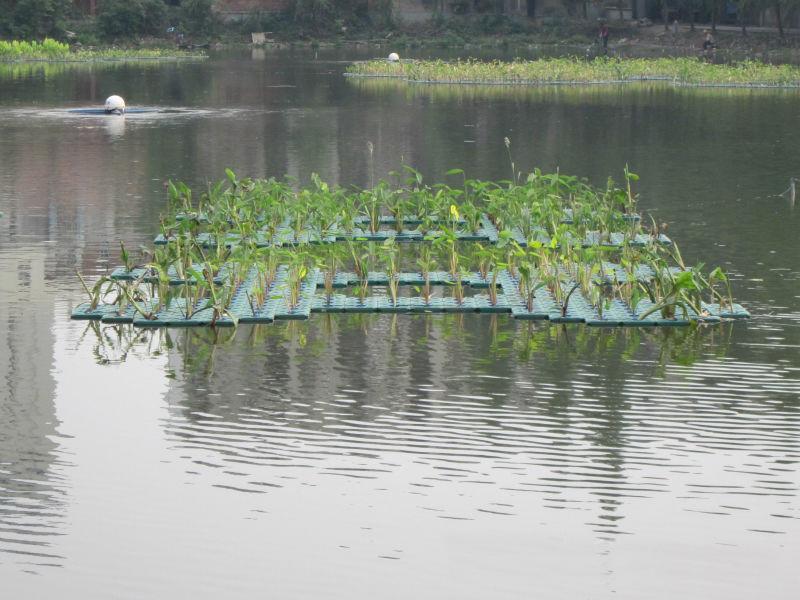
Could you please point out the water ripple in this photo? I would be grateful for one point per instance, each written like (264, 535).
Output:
(716, 429)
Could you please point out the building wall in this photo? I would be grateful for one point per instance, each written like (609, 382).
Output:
(790, 18)
(415, 11)
(238, 7)
(412, 11)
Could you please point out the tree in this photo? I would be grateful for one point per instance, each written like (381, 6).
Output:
(742, 6)
(692, 7)
(713, 8)
(33, 19)
(197, 16)
(783, 7)
(313, 12)
(384, 12)
(130, 18)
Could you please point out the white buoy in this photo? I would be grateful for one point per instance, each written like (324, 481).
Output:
(115, 105)
(394, 57)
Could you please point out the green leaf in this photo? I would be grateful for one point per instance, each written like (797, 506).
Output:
(195, 274)
(718, 275)
(685, 281)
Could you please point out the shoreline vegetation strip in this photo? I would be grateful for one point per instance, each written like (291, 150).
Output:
(542, 246)
(575, 71)
(54, 51)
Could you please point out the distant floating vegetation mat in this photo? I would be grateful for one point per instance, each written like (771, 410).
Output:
(54, 51)
(546, 246)
(544, 71)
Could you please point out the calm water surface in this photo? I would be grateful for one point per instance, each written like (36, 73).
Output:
(391, 457)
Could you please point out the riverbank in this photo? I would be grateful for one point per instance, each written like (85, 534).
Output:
(523, 35)
(468, 32)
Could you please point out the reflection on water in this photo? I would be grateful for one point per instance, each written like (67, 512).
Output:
(579, 418)
(31, 484)
(655, 92)
(506, 339)
(115, 128)
(42, 70)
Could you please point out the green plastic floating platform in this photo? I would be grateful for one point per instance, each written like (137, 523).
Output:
(278, 304)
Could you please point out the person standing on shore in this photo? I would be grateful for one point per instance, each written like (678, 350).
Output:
(708, 45)
(603, 35)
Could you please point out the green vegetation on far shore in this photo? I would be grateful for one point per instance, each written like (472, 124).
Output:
(687, 71)
(52, 50)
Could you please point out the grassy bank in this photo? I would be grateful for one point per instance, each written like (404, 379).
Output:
(690, 71)
(52, 50)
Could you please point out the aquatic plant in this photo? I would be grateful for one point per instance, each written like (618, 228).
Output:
(224, 253)
(96, 292)
(529, 276)
(391, 268)
(426, 263)
(297, 271)
(678, 70)
(329, 262)
(52, 50)
(21, 49)
(718, 276)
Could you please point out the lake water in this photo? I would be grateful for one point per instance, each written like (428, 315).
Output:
(391, 457)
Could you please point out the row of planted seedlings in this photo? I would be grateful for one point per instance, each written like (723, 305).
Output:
(601, 285)
(548, 246)
(269, 212)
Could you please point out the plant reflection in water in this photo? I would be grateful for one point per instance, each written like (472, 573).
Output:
(492, 338)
